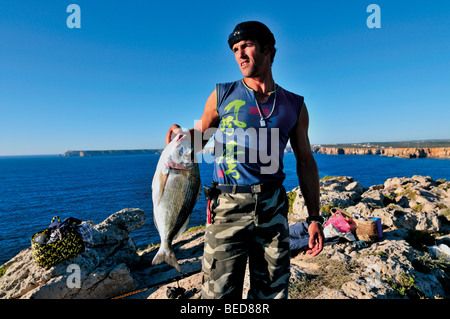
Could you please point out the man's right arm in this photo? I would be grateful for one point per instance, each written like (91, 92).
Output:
(201, 131)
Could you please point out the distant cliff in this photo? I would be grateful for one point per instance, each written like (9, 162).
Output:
(112, 152)
(404, 152)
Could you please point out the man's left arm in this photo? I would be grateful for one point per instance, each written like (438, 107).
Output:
(308, 178)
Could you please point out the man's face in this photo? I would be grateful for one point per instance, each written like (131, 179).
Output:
(250, 59)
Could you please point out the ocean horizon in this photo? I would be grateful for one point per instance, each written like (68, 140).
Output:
(34, 188)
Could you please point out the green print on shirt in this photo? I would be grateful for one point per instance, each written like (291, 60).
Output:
(229, 155)
(226, 125)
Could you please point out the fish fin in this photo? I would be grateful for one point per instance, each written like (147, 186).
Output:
(168, 257)
(162, 185)
(183, 228)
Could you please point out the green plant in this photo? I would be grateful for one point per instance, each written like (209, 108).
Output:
(387, 200)
(446, 214)
(379, 253)
(411, 194)
(325, 178)
(291, 198)
(3, 270)
(428, 263)
(195, 228)
(326, 209)
(405, 285)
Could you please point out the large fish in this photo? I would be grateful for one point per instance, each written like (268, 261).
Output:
(176, 188)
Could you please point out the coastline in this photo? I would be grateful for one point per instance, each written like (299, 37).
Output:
(87, 153)
(439, 149)
(403, 152)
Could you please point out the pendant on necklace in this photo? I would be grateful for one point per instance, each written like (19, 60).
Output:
(262, 122)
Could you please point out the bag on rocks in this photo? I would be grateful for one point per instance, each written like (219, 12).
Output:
(342, 222)
(366, 229)
(57, 243)
(85, 231)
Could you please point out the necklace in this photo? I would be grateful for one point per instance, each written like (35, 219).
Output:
(262, 121)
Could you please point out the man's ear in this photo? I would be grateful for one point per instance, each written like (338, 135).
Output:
(268, 49)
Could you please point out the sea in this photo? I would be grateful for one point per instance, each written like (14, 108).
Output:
(34, 189)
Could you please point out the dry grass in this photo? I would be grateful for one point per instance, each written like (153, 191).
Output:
(330, 273)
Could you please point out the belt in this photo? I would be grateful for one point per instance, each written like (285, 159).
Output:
(255, 188)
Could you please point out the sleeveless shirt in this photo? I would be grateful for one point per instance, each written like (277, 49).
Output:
(245, 152)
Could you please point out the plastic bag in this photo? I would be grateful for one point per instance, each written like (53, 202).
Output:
(331, 231)
(340, 222)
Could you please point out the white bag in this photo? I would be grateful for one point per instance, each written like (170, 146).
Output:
(331, 231)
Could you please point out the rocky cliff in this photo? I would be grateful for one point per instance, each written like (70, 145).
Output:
(435, 152)
(415, 215)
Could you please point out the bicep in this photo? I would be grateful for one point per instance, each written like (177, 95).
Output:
(299, 136)
(210, 117)
(207, 124)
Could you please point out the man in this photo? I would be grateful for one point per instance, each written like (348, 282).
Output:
(247, 204)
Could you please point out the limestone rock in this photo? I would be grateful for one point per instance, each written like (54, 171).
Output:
(390, 268)
(354, 187)
(339, 191)
(418, 202)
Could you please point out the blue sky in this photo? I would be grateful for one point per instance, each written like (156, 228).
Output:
(136, 67)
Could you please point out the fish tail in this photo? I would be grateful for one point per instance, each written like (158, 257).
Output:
(167, 256)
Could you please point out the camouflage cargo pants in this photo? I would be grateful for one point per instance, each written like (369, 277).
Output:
(252, 226)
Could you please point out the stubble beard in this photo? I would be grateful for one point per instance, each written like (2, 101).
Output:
(250, 70)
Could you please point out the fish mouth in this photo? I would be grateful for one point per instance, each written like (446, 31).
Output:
(179, 137)
(173, 165)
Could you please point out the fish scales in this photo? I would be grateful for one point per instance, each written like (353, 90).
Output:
(179, 191)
